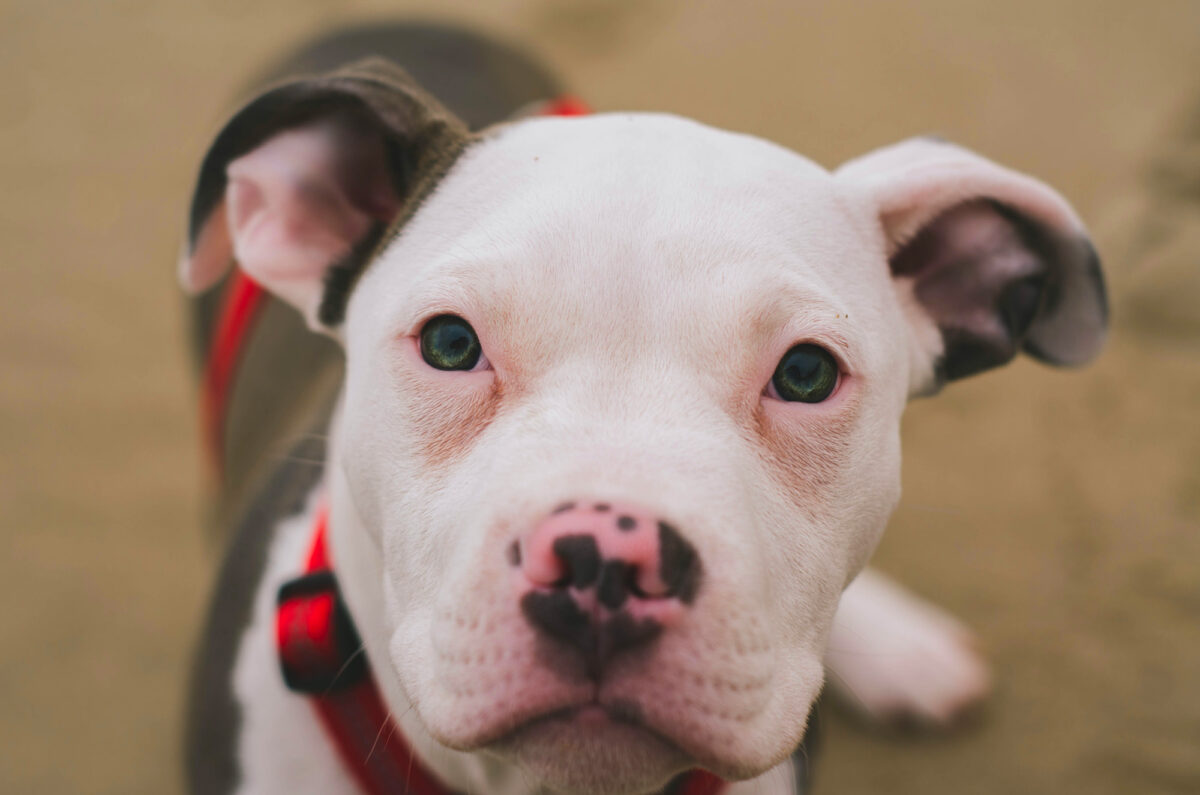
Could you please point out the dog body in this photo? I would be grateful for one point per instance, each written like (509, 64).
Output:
(637, 288)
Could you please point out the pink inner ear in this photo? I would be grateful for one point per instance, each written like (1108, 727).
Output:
(299, 202)
(294, 206)
(998, 259)
(210, 255)
(962, 263)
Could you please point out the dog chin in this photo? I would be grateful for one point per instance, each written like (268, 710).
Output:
(592, 751)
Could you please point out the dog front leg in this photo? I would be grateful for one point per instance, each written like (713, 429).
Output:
(899, 659)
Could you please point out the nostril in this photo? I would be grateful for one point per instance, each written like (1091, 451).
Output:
(621, 551)
(580, 556)
(614, 587)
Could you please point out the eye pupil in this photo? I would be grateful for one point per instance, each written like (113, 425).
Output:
(806, 374)
(449, 343)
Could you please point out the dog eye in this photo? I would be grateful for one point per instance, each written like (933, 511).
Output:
(806, 374)
(449, 343)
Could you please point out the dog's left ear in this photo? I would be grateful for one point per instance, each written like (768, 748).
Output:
(301, 184)
(997, 261)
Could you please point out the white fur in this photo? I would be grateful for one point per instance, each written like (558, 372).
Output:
(900, 658)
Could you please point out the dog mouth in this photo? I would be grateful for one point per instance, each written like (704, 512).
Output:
(594, 736)
(626, 713)
(593, 714)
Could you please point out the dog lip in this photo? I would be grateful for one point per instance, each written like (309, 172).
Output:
(621, 711)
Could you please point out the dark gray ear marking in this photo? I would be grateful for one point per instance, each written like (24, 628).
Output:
(996, 283)
(342, 275)
(1092, 276)
(481, 79)
(421, 141)
(1095, 274)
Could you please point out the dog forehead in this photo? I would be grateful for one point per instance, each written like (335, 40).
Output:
(629, 206)
(641, 172)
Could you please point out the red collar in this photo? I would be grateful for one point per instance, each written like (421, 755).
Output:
(321, 656)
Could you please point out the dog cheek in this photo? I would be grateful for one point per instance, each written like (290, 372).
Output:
(445, 428)
(806, 458)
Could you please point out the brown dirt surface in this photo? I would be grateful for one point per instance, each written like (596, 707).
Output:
(1058, 514)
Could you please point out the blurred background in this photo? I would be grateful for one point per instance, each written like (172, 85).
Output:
(1057, 513)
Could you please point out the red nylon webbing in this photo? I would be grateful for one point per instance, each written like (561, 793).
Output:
(358, 723)
(240, 307)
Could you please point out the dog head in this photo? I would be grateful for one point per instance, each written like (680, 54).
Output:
(622, 403)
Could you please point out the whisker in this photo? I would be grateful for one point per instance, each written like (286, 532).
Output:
(390, 725)
(361, 650)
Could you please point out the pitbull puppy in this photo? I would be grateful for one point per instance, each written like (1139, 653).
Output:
(619, 425)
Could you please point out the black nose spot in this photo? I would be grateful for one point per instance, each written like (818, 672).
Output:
(580, 557)
(623, 631)
(679, 566)
(602, 507)
(566, 506)
(613, 589)
(626, 523)
(556, 613)
(514, 554)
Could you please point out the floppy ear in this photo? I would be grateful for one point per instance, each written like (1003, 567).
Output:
(302, 183)
(997, 261)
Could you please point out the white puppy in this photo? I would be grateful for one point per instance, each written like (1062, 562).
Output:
(619, 424)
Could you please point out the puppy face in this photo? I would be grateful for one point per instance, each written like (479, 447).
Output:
(634, 282)
(586, 510)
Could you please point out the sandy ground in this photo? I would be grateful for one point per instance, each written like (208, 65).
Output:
(1058, 514)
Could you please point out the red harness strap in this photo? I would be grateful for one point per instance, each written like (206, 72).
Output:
(321, 655)
(241, 305)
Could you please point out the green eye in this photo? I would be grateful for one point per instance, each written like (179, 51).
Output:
(449, 343)
(806, 374)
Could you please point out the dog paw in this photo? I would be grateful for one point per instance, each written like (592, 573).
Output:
(899, 660)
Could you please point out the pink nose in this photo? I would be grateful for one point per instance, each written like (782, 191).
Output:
(622, 550)
(604, 577)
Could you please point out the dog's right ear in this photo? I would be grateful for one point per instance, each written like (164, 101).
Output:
(303, 182)
(996, 262)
